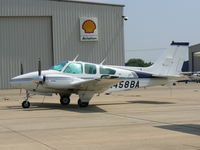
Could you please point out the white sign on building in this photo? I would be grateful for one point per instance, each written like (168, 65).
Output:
(89, 29)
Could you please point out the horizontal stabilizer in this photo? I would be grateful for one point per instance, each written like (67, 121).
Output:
(180, 43)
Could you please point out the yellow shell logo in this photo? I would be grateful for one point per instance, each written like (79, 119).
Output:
(89, 26)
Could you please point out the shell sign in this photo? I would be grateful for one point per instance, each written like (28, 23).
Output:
(89, 26)
(88, 29)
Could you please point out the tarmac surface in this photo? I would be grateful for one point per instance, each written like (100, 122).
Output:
(158, 118)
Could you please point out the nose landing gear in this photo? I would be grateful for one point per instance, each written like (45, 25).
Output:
(26, 103)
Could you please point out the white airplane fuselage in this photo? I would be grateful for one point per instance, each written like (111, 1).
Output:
(56, 80)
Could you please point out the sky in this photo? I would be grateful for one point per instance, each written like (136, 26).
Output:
(153, 24)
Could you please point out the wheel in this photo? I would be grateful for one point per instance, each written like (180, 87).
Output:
(65, 100)
(25, 104)
(82, 104)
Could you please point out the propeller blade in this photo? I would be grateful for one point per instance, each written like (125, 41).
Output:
(39, 67)
(21, 69)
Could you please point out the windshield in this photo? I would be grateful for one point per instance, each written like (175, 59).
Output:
(59, 66)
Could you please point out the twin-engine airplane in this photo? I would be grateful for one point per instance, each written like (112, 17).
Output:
(87, 79)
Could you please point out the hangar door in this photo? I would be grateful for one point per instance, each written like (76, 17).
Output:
(195, 63)
(24, 40)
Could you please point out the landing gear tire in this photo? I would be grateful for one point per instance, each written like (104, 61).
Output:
(82, 104)
(25, 104)
(65, 100)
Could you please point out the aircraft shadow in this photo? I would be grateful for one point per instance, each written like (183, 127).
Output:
(185, 128)
(52, 106)
(137, 102)
(150, 102)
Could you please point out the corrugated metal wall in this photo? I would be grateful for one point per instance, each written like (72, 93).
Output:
(110, 29)
(194, 61)
(65, 31)
(24, 40)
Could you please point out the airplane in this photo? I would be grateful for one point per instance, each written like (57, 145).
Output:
(87, 79)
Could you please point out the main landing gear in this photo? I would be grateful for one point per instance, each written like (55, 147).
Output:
(82, 104)
(84, 98)
(26, 103)
(64, 99)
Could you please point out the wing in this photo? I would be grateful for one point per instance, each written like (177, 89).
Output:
(97, 85)
(77, 84)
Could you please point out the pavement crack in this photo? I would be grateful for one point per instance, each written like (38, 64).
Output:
(198, 147)
(28, 137)
(136, 118)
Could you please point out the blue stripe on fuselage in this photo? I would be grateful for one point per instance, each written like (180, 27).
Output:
(31, 79)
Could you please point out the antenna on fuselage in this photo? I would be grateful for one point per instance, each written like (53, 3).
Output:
(103, 61)
(76, 57)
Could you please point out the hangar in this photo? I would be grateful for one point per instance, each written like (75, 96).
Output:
(57, 30)
(194, 58)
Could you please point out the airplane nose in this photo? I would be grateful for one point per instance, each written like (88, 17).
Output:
(15, 81)
(23, 81)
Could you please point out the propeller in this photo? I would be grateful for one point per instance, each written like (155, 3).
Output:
(39, 67)
(21, 72)
(40, 79)
(21, 69)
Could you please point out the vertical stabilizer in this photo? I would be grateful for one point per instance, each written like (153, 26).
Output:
(172, 61)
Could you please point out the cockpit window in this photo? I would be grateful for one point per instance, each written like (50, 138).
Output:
(75, 68)
(59, 66)
(90, 69)
(107, 71)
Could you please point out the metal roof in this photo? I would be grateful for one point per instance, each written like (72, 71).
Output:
(194, 45)
(88, 2)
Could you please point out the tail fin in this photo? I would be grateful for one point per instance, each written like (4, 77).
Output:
(173, 60)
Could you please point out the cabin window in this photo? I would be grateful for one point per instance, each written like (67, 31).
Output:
(90, 69)
(59, 66)
(107, 71)
(74, 68)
